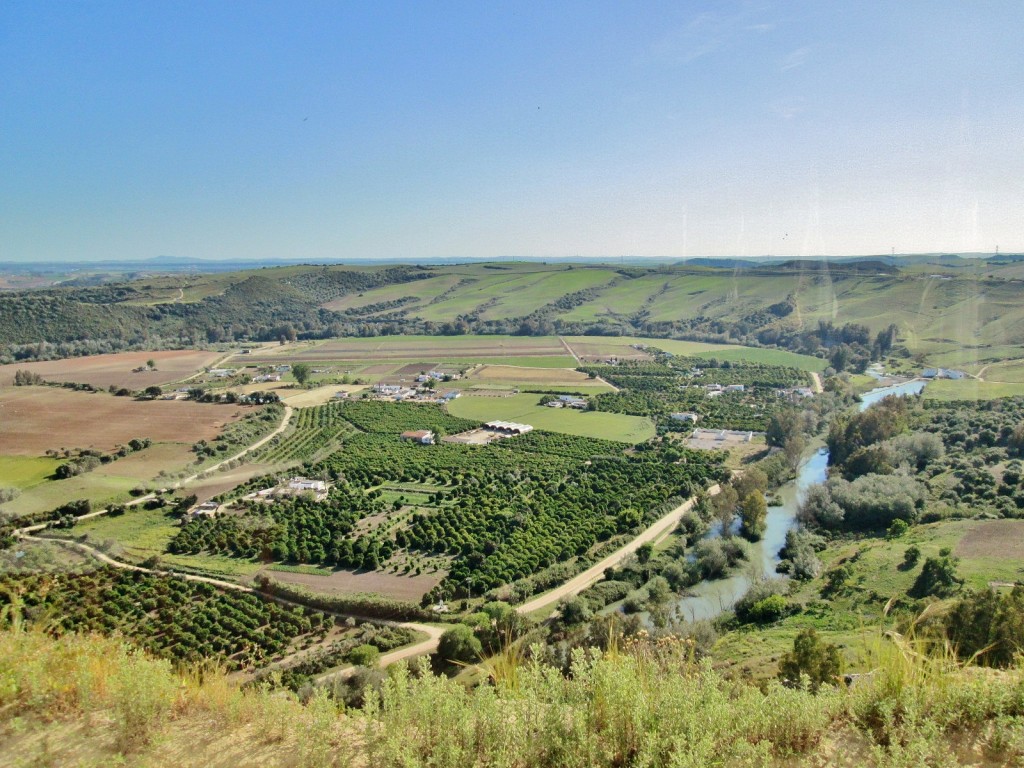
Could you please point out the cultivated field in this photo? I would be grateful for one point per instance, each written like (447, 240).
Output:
(107, 483)
(540, 377)
(304, 398)
(410, 348)
(106, 370)
(591, 347)
(524, 409)
(993, 539)
(970, 389)
(349, 583)
(1010, 372)
(36, 419)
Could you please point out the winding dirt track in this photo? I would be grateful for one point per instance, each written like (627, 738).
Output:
(595, 572)
(143, 499)
(571, 588)
(416, 649)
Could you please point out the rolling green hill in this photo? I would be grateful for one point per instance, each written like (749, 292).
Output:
(952, 315)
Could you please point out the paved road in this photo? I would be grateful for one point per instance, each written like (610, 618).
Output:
(595, 572)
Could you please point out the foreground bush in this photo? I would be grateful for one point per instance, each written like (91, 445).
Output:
(648, 704)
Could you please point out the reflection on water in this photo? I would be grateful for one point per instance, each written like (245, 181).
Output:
(710, 598)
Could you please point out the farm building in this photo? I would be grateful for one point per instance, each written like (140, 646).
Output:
(295, 486)
(508, 427)
(206, 509)
(451, 394)
(421, 436)
(301, 484)
(572, 401)
(685, 416)
(942, 373)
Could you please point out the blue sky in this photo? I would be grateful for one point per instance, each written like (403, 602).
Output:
(320, 130)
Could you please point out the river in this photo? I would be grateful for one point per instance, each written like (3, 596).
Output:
(710, 598)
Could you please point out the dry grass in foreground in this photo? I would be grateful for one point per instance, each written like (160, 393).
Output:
(85, 700)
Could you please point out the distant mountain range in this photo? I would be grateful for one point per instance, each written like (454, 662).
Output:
(178, 264)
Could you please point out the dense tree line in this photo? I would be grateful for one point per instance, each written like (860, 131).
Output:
(500, 512)
(182, 620)
(679, 384)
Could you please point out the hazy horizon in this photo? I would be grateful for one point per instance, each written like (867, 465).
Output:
(594, 130)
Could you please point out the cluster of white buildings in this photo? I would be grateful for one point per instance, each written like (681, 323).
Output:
(568, 401)
(399, 392)
(714, 390)
(295, 486)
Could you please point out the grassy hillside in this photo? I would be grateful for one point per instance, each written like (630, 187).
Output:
(955, 315)
(92, 701)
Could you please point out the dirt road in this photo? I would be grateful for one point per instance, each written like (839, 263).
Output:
(422, 648)
(143, 499)
(816, 379)
(595, 572)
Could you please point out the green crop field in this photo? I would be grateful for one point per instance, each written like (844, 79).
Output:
(422, 290)
(503, 295)
(24, 472)
(143, 533)
(1011, 372)
(524, 408)
(970, 389)
(99, 488)
(415, 348)
(622, 345)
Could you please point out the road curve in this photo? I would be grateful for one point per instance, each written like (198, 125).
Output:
(143, 499)
(595, 572)
(416, 649)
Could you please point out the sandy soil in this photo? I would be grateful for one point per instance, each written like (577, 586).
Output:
(348, 583)
(38, 418)
(104, 370)
(304, 398)
(518, 375)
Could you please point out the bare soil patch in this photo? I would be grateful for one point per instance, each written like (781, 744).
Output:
(116, 369)
(599, 350)
(38, 418)
(405, 348)
(724, 439)
(348, 583)
(1002, 539)
(221, 482)
(518, 375)
(415, 368)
